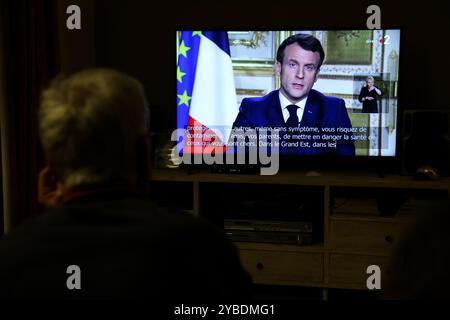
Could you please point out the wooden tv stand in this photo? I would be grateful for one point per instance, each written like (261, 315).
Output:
(354, 235)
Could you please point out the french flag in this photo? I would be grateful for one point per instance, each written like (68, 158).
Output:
(206, 94)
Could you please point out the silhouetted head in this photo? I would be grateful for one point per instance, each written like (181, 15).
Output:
(91, 124)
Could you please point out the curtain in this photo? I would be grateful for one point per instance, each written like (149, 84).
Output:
(29, 61)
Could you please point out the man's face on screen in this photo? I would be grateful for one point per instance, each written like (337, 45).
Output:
(298, 72)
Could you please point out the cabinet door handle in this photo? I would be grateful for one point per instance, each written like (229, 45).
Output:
(259, 266)
(389, 239)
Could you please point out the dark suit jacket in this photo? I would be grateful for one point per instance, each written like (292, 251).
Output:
(126, 248)
(369, 106)
(320, 111)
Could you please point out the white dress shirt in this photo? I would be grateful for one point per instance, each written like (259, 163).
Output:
(284, 102)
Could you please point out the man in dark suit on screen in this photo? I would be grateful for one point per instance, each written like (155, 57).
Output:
(298, 108)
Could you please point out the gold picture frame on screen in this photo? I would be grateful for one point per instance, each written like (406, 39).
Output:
(253, 52)
(349, 52)
(348, 47)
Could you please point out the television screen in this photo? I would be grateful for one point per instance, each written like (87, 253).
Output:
(311, 92)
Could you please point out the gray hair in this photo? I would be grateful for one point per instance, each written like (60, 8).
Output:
(89, 125)
(370, 78)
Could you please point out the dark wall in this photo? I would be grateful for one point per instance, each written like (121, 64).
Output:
(138, 37)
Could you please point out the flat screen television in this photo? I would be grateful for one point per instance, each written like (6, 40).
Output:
(246, 97)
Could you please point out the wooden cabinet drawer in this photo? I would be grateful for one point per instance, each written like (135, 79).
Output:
(290, 268)
(365, 236)
(350, 271)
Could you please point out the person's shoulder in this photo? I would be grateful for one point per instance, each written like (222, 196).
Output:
(326, 100)
(171, 220)
(135, 216)
(31, 227)
(250, 103)
(128, 218)
(176, 223)
(196, 230)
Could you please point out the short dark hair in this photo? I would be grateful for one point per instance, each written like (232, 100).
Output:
(306, 41)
